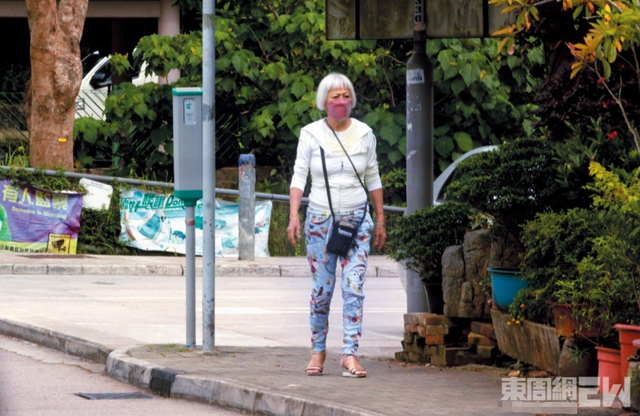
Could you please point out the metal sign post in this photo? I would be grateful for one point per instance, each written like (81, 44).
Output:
(419, 142)
(187, 169)
(209, 175)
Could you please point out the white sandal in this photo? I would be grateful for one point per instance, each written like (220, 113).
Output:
(316, 370)
(355, 370)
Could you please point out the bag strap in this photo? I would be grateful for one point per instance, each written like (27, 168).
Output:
(326, 182)
(346, 154)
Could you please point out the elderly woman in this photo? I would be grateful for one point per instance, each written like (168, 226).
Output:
(347, 145)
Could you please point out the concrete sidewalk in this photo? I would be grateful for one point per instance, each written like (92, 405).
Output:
(77, 304)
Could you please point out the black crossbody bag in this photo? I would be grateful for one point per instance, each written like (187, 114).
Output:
(343, 233)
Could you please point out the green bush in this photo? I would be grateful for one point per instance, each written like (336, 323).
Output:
(420, 239)
(593, 141)
(555, 244)
(511, 185)
(90, 144)
(100, 229)
(615, 258)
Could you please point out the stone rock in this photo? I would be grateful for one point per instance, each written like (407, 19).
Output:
(467, 292)
(477, 240)
(463, 268)
(466, 310)
(452, 279)
(453, 262)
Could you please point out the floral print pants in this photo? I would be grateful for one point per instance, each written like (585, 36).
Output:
(323, 271)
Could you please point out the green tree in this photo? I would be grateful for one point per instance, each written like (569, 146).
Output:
(270, 58)
(594, 70)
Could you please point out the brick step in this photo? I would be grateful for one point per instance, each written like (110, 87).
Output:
(426, 337)
(484, 329)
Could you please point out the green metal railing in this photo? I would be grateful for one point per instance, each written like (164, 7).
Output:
(13, 122)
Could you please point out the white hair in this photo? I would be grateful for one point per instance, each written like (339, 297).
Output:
(332, 82)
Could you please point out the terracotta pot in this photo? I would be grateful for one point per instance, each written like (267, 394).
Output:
(608, 366)
(566, 326)
(626, 334)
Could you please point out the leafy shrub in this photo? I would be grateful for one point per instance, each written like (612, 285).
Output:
(597, 141)
(137, 124)
(90, 143)
(555, 244)
(100, 229)
(511, 185)
(270, 58)
(420, 239)
(616, 255)
(482, 98)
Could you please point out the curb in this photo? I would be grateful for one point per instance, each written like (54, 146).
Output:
(55, 340)
(248, 398)
(119, 365)
(174, 270)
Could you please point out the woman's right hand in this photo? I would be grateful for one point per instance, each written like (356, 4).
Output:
(293, 230)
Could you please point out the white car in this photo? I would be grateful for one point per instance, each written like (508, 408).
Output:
(96, 85)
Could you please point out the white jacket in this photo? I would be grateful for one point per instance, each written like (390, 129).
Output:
(346, 192)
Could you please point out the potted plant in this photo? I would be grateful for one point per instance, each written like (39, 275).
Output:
(568, 324)
(559, 291)
(616, 258)
(419, 239)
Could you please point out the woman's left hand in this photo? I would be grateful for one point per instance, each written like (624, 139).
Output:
(380, 232)
(380, 237)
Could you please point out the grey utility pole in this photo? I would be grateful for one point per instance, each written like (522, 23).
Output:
(419, 142)
(209, 175)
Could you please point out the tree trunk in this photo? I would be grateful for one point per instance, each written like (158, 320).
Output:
(56, 74)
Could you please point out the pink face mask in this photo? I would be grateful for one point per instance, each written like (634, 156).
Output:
(340, 108)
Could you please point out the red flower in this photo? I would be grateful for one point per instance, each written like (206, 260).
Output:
(600, 80)
(604, 105)
(612, 135)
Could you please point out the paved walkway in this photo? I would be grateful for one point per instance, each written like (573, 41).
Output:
(266, 379)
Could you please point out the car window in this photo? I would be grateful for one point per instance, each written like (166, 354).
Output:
(89, 62)
(102, 77)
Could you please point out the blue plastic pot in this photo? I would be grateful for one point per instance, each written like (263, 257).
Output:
(506, 282)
